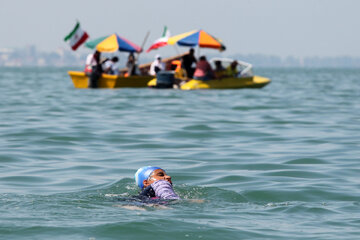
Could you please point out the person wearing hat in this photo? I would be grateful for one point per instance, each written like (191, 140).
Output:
(156, 65)
(154, 183)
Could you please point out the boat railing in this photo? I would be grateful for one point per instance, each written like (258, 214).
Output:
(245, 69)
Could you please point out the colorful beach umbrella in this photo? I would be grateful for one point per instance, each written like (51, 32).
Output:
(113, 43)
(197, 38)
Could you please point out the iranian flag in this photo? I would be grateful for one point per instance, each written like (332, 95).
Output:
(161, 41)
(77, 37)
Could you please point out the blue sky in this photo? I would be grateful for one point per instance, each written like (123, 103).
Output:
(281, 27)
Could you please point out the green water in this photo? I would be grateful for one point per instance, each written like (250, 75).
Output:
(280, 162)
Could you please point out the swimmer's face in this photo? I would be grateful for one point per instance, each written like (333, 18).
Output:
(157, 175)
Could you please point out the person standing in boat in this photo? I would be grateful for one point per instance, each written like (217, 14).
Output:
(203, 70)
(90, 62)
(96, 70)
(188, 61)
(156, 66)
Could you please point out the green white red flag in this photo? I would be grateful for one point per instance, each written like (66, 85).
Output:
(77, 37)
(161, 41)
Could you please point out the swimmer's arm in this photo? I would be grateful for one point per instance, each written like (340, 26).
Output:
(196, 200)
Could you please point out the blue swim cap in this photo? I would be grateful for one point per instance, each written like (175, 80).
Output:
(143, 174)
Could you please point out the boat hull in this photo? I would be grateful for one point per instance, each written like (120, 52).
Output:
(81, 80)
(227, 83)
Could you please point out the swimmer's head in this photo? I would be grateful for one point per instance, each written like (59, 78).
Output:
(143, 174)
(147, 175)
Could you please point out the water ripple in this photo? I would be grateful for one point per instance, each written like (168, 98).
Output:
(274, 163)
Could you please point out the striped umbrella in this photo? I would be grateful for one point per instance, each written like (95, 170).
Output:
(113, 43)
(197, 38)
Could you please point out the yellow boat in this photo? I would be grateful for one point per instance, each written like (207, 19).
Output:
(227, 83)
(81, 80)
(224, 83)
(245, 79)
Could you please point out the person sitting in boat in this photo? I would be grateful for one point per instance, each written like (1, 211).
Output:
(220, 71)
(154, 184)
(156, 66)
(232, 70)
(91, 62)
(180, 75)
(179, 71)
(110, 66)
(131, 66)
(203, 70)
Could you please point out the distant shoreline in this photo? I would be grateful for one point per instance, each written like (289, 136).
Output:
(31, 57)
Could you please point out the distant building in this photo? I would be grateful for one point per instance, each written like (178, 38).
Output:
(60, 57)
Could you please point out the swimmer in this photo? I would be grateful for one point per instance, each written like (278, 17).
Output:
(156, 191)
(154, 184)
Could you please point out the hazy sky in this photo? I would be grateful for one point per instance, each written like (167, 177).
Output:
(280, 27)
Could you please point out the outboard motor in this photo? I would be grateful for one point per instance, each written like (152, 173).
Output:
(165, 79)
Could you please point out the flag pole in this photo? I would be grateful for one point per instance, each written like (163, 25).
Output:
(176, 49)
(143, 44)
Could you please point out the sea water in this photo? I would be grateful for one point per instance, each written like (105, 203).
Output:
(280, 162)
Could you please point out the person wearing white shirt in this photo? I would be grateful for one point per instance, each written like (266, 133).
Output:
(156, 65)
(111, 67)
(91, 62)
